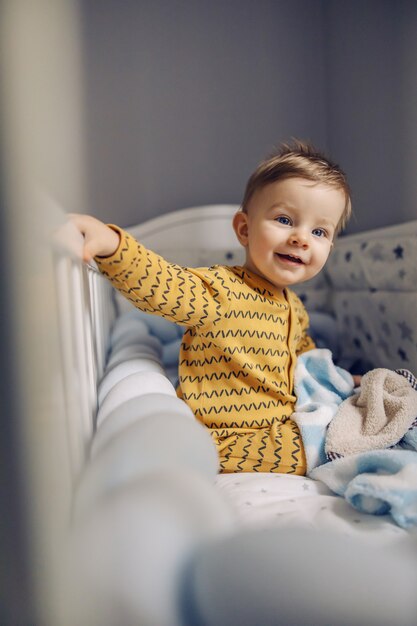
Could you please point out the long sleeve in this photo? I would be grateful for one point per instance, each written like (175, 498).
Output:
(189, 297)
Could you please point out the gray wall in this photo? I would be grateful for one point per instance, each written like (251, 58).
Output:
(184, 97)
(372, 105)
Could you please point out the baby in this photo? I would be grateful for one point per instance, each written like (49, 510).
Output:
(245, 327)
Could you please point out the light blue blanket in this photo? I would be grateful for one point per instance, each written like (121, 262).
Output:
(377, 481)
(320, 387)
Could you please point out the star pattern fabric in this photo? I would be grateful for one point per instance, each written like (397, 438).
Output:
(369, 286)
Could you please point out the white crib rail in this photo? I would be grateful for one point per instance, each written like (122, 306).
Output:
(86, 314)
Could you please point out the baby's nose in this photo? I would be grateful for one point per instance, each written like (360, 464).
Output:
(299, 238)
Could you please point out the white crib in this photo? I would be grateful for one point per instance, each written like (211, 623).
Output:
(157, 537)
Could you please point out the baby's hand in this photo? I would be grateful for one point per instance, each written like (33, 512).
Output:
(99, 239)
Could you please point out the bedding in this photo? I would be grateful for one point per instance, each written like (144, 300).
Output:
(320, 388)
(377, 482)
(278, 577)
(378, 416)
(263, 500)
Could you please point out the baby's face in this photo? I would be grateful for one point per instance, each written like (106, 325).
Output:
(289, 229)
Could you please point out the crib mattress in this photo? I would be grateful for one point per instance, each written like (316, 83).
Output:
(279, 500)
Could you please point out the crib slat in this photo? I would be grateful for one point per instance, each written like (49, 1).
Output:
(85, 318)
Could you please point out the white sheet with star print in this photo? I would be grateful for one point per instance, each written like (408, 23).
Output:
(281, 500)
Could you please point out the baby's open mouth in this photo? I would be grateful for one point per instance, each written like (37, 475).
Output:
(290, 258)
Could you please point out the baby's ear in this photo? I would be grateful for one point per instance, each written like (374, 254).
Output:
(240, 226)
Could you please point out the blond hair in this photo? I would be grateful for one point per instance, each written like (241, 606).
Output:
(299, 160)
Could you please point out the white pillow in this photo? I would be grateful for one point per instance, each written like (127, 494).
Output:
(122, 370)
(126, 325)
(128, 551)
(133, 386)
(130, 339)
(136, 409)
(151, 444)
(132, 352)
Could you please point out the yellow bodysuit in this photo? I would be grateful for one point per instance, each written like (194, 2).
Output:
(238, 354)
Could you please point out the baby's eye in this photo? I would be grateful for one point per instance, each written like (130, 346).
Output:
(319, 232)
(283, 219)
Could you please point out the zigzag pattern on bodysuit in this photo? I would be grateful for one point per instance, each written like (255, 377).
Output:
(238, 354)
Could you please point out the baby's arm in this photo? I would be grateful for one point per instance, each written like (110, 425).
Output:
(99, 239)
(183, 295)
